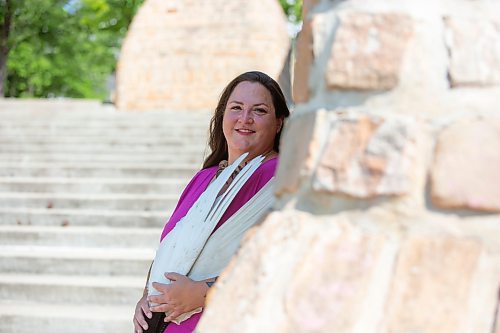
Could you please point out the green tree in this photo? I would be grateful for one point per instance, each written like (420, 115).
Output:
(62, 47)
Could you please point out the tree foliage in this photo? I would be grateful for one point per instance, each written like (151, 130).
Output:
(69, 48)
(293, 10)
(65, 48)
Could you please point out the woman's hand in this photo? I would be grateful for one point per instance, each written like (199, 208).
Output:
(141, 308)
(180, 296)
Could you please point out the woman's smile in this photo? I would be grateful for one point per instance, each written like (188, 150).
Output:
(244, 131)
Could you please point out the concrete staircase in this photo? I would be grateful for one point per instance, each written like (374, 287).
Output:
(84, 194)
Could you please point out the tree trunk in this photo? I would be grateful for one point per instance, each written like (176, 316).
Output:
(3, 73)
(4, 45)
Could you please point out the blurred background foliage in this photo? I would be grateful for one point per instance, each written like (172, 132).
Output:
(68, 48)
(293, 10)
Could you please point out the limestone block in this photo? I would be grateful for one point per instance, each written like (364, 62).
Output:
(299, 146)
(433, 290)
(179, 55)
(300, 273)
(367, 51)
(367, 156)
(465, 173)
(342, 284)
(304, 56)
(255, 283)
(474, 50)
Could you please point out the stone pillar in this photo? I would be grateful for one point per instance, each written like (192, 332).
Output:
(179, 55)
(388, 214)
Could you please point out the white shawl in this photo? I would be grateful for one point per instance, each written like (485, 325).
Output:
(191, 248)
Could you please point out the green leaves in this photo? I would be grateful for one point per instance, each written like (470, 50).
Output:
(65, 48)
(293, 10)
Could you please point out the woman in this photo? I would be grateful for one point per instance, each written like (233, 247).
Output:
(249, 118)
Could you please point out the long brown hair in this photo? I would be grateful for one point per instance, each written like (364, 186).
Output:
(217, 141)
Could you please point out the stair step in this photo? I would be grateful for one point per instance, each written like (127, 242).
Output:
(71, 109)
(102, 123)
(99, 171)
(183, 131)
(193, 146)
(99, 165)
(81, 217)
(79, 236)
(103, 116)
(103, 149)
(42, 317)
(117, 201)
(72, 289)
(115, 136)
(92, 185)
(14, 105)
(70, 260)
(55, 158)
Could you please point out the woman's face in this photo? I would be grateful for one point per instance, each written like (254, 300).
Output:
(250, 123)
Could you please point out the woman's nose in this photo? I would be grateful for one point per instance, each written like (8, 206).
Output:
(246, 116)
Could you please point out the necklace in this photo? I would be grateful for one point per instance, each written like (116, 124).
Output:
(224, 163)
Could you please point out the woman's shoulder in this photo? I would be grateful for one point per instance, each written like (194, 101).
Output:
(269, 166)
(200, 179)
(206, 172)
(264, 173)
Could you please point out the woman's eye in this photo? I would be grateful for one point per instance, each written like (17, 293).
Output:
(260, 111)
(236, 107)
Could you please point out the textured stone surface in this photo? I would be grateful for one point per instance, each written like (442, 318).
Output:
(466, 168)
(367, 156)
(180, 54)
(364, 263)
(354, 273)
(474, 49)
(433, 285)
(341, 284)
(299, 147)
(367, 51)
(256, 268)
(303, 274)
(304, 55)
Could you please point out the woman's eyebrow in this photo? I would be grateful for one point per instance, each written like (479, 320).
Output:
(241, 103)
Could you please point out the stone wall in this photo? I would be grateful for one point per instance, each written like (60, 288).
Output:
(388, 214)
(179, 55)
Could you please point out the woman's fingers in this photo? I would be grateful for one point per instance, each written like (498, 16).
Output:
(172, 276)
(138, 327)
(172, 316)
(160, 299)
(163, 308)
(161, 287)
(139, 316)
(146, 310)
(142, 322)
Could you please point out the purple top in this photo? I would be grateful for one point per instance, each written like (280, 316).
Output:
(189, 196)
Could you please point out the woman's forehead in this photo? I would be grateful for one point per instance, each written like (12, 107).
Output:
(247, 92)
